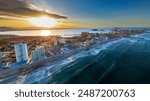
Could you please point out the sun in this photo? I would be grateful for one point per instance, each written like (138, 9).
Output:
(43, 21)
(45, 33)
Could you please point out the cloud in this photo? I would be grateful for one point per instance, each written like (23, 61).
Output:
(21, 9)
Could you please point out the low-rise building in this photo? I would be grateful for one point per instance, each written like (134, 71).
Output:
(65, 50)
(84, 34)
(4, 65)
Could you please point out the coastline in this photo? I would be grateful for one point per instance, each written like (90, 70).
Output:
(40, 64)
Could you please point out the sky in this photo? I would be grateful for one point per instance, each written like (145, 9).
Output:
(76, 13)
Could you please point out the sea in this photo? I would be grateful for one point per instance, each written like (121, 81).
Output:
(66, 32)
(61, 32)
(121, 61)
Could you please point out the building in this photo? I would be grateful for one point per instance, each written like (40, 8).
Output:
(63, 41)
(38, 54)
(21, 52)
(4, 65)
(84, 34)
(65, 50)
(55, 42)
(1, 54)
(106, 38)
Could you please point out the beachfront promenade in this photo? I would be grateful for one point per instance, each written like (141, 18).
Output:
(40, 64)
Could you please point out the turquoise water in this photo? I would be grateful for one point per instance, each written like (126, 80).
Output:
(123, 61)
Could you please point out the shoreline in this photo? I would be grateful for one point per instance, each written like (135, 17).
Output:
(30, 67)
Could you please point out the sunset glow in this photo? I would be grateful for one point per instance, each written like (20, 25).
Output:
(43, 22)
(45, 33)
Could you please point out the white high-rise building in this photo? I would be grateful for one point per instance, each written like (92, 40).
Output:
(21, 52)
(38, 54)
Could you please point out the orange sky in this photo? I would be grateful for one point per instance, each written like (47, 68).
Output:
(25, 23)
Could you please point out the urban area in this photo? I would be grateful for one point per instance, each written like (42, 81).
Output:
(25, 52)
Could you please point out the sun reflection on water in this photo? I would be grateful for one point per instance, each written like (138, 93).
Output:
(45, 33)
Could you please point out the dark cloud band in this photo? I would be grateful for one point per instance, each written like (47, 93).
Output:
(18, 8)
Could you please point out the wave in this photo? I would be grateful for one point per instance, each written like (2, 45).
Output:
(124, 60)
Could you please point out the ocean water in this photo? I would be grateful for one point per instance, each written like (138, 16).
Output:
(66, 32)
(62, 32)
(124, 61)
